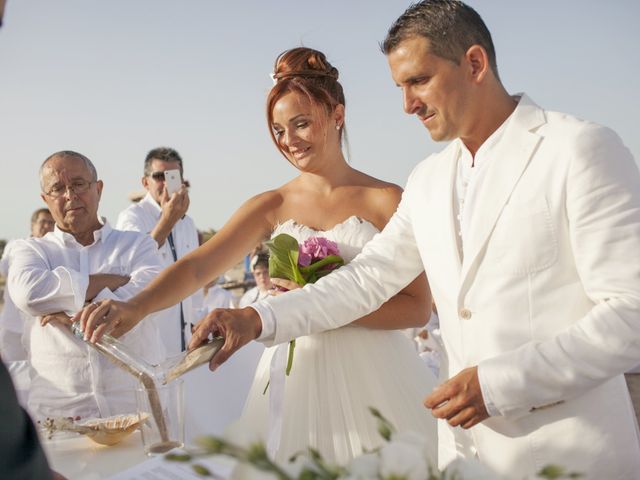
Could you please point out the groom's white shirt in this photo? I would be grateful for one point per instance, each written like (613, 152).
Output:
(545, 299)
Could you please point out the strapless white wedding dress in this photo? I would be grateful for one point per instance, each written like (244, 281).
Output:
(338, 374)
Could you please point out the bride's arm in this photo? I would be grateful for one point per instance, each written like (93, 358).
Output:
(247, 227)
(411, 307)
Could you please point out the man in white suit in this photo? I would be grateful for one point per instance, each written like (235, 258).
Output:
(528, 226)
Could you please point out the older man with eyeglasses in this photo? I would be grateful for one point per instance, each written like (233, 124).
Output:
(163, 215)
(83, 260)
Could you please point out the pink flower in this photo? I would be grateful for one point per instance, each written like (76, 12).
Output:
(314, 249)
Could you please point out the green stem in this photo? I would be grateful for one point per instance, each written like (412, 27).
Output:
(292, 346)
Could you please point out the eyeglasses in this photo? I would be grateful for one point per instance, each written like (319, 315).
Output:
(77, 186)
(157, 176)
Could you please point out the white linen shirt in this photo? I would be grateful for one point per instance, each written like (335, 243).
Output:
(143, 217)
(217, 297)
(253, 295)
(51, 274)
(11, 318)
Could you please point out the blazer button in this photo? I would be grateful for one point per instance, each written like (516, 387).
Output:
(465, 314)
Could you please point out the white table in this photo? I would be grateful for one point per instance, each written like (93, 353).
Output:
(213, 400)
(79, 458)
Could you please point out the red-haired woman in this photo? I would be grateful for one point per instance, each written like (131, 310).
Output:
(336, 374)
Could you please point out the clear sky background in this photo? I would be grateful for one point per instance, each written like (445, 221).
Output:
(113, 79)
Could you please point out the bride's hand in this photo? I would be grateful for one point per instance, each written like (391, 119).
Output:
(107, 316)
(283, 285)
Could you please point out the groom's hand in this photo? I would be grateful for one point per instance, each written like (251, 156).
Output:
(237, 326)
(459, 400)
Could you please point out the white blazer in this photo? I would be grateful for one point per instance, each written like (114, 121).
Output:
(546, 301)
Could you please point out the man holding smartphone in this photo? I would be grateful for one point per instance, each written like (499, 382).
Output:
(162, 213)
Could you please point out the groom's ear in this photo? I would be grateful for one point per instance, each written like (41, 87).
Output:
(478, 63)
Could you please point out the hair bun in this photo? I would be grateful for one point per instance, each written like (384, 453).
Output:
(303, 62)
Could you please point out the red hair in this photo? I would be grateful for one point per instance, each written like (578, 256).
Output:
(307, 72)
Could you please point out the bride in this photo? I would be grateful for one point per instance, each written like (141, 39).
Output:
(337, 374)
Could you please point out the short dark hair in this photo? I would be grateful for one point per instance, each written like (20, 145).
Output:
(36, 214)
(164, 154)
(451, 27)
(261, 259)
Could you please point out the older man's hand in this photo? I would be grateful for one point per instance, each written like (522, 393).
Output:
(459, 400)
(237, 326)
(107, 316)
(59, 319)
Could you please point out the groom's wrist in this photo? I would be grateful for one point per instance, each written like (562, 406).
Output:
(486, 394)
(267, 318)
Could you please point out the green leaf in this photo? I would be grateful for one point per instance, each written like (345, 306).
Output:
(309, 270)
(201, 470)
(551, 472)
(178, 457)
(283, 258)
(385, 428)
(212, 445)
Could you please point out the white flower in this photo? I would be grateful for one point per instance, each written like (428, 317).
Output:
(411, 439)
(364, 467)
(470, 469)
(244, 471)
(238, 434)
(294, 468)
(404, 460)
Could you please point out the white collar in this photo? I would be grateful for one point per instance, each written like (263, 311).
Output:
(100, 234)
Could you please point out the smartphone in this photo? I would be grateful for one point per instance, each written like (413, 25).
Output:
(172, 180)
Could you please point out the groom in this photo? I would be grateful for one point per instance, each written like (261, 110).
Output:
(528, 226)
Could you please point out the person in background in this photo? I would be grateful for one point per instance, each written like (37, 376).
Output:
(83, 260)
(214, 296)
(12, 321)
(260, 271)
(165, 218)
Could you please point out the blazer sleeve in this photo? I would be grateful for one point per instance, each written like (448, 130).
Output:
(387, 264)
(603, 215)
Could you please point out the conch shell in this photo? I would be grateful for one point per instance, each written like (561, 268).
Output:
(105, 431)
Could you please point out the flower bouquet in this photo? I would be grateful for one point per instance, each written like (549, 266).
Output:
(302, 264)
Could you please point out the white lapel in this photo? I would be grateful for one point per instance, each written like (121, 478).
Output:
(509, 161)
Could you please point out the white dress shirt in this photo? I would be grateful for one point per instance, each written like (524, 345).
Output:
(251, 296)
(218, 297)
(11, 318)
(469, 181)
(51, 274)
(143, 217)
(12, 345)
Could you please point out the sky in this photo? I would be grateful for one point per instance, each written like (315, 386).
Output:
(114, 79)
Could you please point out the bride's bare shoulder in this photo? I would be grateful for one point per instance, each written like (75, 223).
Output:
(380, 191)
(261, 208)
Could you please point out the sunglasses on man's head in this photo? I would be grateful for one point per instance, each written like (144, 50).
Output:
(157, 176)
